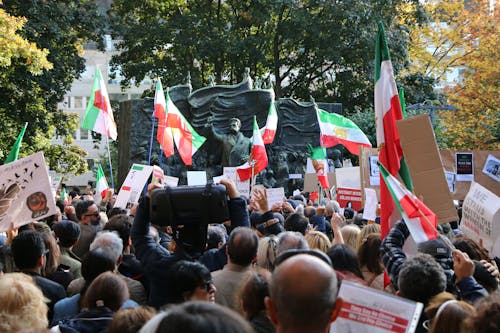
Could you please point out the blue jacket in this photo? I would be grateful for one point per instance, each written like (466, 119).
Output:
(156, 260)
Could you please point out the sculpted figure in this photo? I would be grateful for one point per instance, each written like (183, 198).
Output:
(235, 146)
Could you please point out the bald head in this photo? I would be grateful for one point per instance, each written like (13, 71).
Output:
(303, 291)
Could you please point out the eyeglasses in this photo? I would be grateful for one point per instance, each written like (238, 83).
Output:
(96, 214)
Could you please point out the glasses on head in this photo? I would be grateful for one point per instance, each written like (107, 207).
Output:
(96, 214)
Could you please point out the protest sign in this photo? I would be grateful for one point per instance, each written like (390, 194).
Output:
(367, 310)
(464, 166)
(243, 187)
(275, 195)
(25, 192)
(427, 174)
(450, 180)
(349, 197)
(368, 172)
(196, 178)
(492, 167)
(481, 218)
(170, 181)
(55, 181)
(133, 185)
(311, 183)
(371, 203)
(348, 177)
(374, 171)
(158, 175)
(295, 176)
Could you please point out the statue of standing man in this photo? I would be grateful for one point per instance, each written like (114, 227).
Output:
(235, 146)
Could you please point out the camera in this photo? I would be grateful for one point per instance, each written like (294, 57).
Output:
(189, 205)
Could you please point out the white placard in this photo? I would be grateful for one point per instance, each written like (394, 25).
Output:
(348, 177)
(158, 175)
(170, 181)
(450, 179)
(243, 187)
(367, 310)
(133, 185)
(374, 171)
(371, 203)
(196, 178)
(295, 176)
(275, 195)
(481, 218)
(55, 181)
(217, 179)
(25, 192)
(492, 167)
(296, 192)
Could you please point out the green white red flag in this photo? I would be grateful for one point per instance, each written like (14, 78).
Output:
(269, 131)
(185, 137)
(14, 151)
(64, 196)
(101, 184)
(320, 164)
(387, 112)
(99, 115)
(336, 129)
(164, 134)
(258, 157)
(419, 219)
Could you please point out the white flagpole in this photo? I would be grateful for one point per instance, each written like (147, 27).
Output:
(110, 166)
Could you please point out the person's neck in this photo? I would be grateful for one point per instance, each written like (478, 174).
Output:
(36, 270)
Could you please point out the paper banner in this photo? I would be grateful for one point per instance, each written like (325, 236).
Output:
(133, 185)
(170, 181)
(275, 195)
(196, 178)
(243, 187)
(371, 203)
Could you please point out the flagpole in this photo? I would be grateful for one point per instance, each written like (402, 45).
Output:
(151, 139)
(110, 166)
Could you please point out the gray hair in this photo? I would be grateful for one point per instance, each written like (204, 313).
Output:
(108, 242)
(291, 240)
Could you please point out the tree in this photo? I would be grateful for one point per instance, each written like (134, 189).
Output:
(60, 28)
(309, 47)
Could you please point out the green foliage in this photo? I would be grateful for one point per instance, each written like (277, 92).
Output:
(59, 27)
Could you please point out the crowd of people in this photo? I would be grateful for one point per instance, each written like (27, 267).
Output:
(98, 268)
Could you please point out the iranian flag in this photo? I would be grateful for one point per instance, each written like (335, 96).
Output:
(101, 184)
(164, 134)
(258, 157)
(99, 115)
(336, 129)
(387, 112)
(14, 152)
(419, 219)
(269, 131)
(320, 164)
(185, 137)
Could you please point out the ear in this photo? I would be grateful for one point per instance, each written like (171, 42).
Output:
(129, 241)
(336, 310)
(40, 261)
(271, 310)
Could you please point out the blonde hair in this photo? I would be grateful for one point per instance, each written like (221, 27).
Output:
(350, 234)
(22, 304)
(266, 252)
(372, 228)
(318, 240)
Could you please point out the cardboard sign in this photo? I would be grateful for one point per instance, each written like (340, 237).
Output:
(367, 310)
(427, 174)
(275, 195)
(371, 203)
(243, 187)
(481, 217)
(196, 178)
(374, 171)
(450, 179)
(133, 185)
(349, 197)
(366, 157)
(25, 192)
(170, 181)
(311, 183)
(464, 167)
(492, 168)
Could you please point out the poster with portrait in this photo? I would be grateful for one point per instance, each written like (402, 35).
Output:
(492, 167)
(465, 167)
(25, 192)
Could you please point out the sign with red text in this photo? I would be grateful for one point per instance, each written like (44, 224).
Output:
(367, 310)
(350, 197)
(133, 185)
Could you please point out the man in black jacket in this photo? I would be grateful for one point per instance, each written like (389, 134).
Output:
(156, 260)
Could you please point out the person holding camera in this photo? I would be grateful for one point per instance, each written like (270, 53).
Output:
(156, 260)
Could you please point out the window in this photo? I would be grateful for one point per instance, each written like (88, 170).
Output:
(78, 104)
(84, 134)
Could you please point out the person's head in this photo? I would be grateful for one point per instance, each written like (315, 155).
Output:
(234, 125)
(487, 316)
(67, 233)
(109, 242)
(306, 307)
(369, 253)
(266, 253)
(309, 211)
(253, 292)
(473, 249)
(53, 254)
(349, 213)
(215, 237)
(484, 278)
(420, 278)
(28, 250)
(242, 246)
(190, 281)
(350, 234)
(120, 224)
(22, 304)
(116, 211)
(130, 320)
(318, 240)
(446, 314)
(291, 240)
(107, 290)
(344, 259)
(297, 222)
(365, 231)
(197, 317)
(87, 212)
